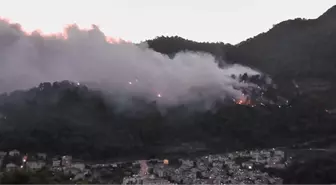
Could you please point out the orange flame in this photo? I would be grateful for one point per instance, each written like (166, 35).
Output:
(243, 101)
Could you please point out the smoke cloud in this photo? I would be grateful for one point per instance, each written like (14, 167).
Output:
(86, 56)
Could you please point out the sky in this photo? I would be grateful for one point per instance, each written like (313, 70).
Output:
(228, 21)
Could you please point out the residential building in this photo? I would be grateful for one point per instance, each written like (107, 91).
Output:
(79, 176)
(73, 171)
(41, 156)
(35, 165)
(155, 181)
(14, 153)
(2, 154)
(187, 163)
(11, 167)
(56, 162)
(266, 153)
(248, 165)
(78, 165)
(279, 153)
(66, 161)
(132, 180)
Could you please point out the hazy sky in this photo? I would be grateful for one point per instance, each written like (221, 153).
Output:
(136, 20)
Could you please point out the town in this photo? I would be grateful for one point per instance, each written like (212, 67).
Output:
(248, 167)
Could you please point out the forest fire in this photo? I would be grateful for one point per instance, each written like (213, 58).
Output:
(243, 101)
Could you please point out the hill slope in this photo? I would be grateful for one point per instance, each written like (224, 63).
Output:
(64, 118)
(299, 49)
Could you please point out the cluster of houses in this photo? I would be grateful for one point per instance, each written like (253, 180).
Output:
(14, 160)
(236, 167)
(216, 169)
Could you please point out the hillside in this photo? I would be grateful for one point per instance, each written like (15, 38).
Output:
(298, 49)
(64, 117)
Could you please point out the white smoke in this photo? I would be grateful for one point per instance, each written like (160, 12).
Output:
(85, 56)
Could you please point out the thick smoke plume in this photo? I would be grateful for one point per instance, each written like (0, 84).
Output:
(86, 56)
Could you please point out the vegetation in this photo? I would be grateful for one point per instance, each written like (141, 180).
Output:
(311, 170)
(64, 118)
(42, 176)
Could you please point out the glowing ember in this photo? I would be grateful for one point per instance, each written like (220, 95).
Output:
(244, 101)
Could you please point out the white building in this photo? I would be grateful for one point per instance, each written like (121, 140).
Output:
(11, 167)
(2, 154)
(217, 164)
(247, 165)
(132, 180)
(187, 163)
(160, 173)
(155, 181)
(79, 176)
(14, 153)
(229, 163)
(35, 165)
(266, 153)
(42, 156)
(279, 153)
(78, 165)
(73, 171)
(66, 161)
(56, 162)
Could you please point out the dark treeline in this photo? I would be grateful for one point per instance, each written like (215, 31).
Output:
(42, 176)
(313, 169)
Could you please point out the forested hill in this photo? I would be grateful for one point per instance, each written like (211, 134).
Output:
(66, 118)
(173, 45)
(292, 48)
(299, 49)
